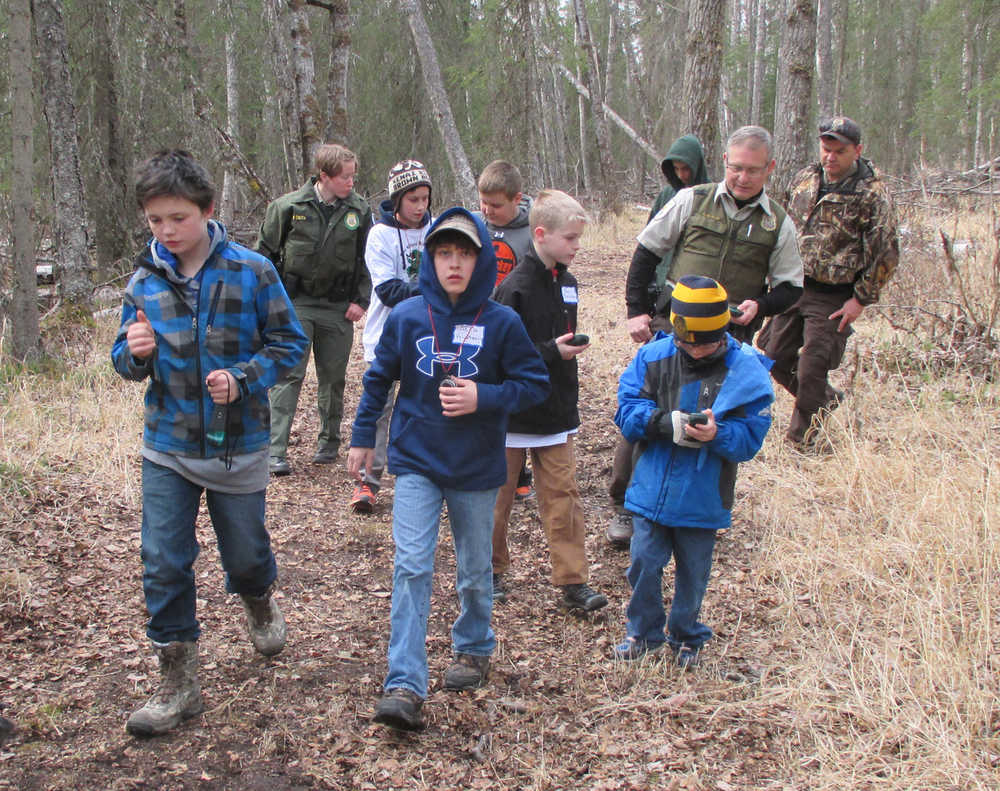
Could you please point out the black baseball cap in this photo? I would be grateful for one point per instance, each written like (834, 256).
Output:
(841, 128)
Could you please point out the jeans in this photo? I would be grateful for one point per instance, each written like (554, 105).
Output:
(416, 514)
(169, 548)
(652, 545)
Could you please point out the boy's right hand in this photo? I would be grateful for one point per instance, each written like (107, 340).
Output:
(359, 459)
(140, 336)
(566, 351)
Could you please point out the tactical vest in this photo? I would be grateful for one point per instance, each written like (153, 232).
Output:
(735, 252)
(320, 257)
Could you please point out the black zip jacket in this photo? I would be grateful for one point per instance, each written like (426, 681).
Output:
(548, 307)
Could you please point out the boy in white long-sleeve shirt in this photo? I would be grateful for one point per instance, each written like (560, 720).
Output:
(392, 255)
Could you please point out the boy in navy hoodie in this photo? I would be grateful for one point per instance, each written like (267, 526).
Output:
(463, 363)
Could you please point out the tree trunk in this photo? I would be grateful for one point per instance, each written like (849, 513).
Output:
(465, 184)
(840, 11)
(277, 22)
(304, 68)
(338, 123)
(796, 58)
(595, 85)
(824, 58)
(23, 314)
(228, 205)
(74, 267)
(759, 71)
(703, 50)
(108, 182)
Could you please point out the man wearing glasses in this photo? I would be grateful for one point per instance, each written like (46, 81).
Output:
(731, 232)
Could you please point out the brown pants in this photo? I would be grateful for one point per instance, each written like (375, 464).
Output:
(560, 507)
(806, 325)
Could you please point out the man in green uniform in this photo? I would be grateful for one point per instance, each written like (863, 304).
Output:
(850, 248)
(731, 232)
(316, 238)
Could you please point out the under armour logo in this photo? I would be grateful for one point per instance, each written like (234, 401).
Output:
(448, 361)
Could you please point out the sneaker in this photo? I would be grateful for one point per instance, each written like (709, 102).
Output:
(467, 672)
(687, 658)
(279, 466)
(363, 501)
(327, 455)
(499, 589)
(620, 530)
(400, 708)
(633, 648)
(582, 597)
(524, 493)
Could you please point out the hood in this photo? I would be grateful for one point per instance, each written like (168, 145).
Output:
(688, 150)
(163, 259)
(484, 276)
(523, 209)
(387, 215)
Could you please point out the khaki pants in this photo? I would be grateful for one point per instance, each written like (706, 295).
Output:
(560, 507)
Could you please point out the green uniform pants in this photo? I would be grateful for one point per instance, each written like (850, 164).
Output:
(330, 337)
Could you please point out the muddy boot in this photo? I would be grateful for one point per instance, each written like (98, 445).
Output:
(179, 695)
(265, 622)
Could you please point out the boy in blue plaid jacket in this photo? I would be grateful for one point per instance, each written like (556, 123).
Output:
(208, 322)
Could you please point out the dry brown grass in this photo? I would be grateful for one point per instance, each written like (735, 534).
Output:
(856, 600)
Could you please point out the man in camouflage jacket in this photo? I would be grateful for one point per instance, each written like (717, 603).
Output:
(847, 238)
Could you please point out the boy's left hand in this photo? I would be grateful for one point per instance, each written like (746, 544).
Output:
(222, 387)
(706, 431)
(460, 399)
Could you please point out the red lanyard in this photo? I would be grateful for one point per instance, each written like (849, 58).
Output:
(436, 348)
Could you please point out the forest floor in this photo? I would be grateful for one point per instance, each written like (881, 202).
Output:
(558, 713)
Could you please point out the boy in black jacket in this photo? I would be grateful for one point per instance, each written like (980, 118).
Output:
(544, 294)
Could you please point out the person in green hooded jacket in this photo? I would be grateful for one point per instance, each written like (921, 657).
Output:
(683, 166)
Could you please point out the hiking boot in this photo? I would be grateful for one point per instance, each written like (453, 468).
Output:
(581, 596)
(400, 708)
(633, 648)
(179, 694)
(327, 455)
(279, 466)
(468, 671)
(524, 493)
(499, 589)
(620, 530)
(363, 500)
(265, 622)
(686, 658)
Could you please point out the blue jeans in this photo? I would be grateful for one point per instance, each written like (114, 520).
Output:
(416, 514)
(651, 548)
(169, 548)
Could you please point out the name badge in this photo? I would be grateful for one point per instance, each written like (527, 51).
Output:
(569, 295)
(468, 334)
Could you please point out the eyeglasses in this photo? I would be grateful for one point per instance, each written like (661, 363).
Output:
(751, 172)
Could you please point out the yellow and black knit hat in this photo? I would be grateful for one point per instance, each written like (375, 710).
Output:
(699, 310)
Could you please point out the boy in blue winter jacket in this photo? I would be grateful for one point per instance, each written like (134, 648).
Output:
(210, 325)
(698, 402)
(463, 364)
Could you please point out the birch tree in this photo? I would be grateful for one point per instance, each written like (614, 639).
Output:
(434, 85)
(73, 267)
(23, 312)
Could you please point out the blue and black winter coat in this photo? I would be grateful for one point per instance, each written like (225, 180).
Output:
(243, 322)
(682, 486)
(426, 338)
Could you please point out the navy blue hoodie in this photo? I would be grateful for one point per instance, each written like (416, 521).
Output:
(426, 338)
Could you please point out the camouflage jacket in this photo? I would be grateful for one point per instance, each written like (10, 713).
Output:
(849, 235)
